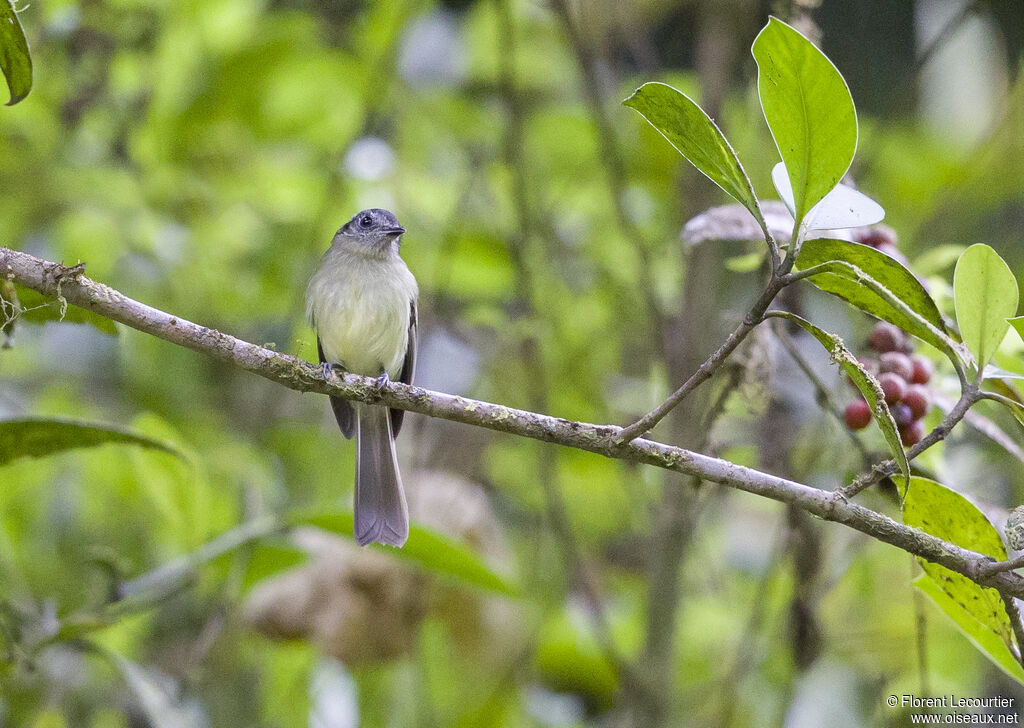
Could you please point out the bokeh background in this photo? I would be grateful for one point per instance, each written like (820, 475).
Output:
(198, 155)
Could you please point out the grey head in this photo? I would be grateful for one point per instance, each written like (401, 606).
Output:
(374, 229)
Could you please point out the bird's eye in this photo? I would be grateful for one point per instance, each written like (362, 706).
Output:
(365, 221)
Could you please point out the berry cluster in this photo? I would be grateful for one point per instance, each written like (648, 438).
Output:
(903, 376)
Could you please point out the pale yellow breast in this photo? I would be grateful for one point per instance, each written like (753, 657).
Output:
(360, 309)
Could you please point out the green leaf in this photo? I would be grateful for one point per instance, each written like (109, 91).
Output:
(846, 283)
(980, 636)
(809, 110)
(1010, 398)
(37, 308)
(428, 548)
(15, 61)
(696, 136)
(977, 610)
(269, 558)
(985, 296)
(865, 383)
(744, 263)
(570, 660)
(39, 436)
(1017, 322)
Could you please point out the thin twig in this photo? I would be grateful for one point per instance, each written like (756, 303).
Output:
(707, 369)
(888, 467)
(154, 587)
(920, 632)
(941, 339)
(172, 571)
(745, 651)
(677, 513)
(1018, 628)
(1002, 399)
(822, 392)
(558, 516)
(614, 166)
(996, 567)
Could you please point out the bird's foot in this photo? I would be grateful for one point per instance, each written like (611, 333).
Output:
(382, 382)
(329, 368)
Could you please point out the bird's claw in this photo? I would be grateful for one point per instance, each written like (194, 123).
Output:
(326, 368)
(382, 382)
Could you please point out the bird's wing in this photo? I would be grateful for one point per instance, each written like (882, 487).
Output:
(408, 367)
(344, 412)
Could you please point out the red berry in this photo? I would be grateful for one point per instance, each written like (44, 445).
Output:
(923, 369)
(912, 433)
(917, 399)
(902, 414)
(886, 337)
(858, 414)
(893, 386)
(897, 363)
(875, 235)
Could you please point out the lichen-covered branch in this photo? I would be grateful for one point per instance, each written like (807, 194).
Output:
(53, 279)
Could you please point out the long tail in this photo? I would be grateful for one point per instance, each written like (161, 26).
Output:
(381, 512)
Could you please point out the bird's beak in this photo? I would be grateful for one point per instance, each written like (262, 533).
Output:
(394, 231)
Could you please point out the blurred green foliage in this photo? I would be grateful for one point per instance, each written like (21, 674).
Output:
(199, 154)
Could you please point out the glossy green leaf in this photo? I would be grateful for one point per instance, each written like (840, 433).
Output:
(809, 110)
(37, 308)
(865, 383)
(15, 61)
(987, 641)
(40, 436)
(945, 514)
(427, 548)
(985, 295)
(696, 136)
(845, 281)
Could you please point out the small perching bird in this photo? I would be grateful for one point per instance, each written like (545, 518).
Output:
(361, 302)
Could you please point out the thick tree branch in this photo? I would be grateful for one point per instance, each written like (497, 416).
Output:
(54, 279)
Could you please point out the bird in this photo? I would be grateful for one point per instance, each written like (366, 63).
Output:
(361, 302)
